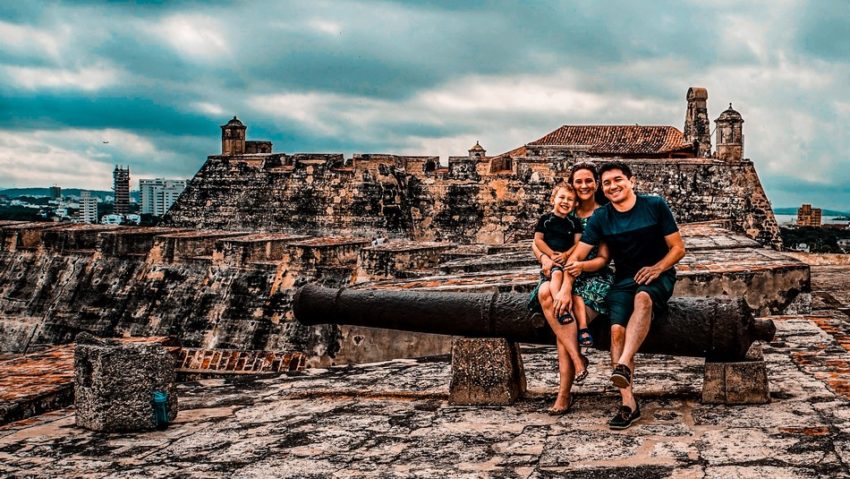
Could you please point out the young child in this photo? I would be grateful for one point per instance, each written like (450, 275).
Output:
(556, 235)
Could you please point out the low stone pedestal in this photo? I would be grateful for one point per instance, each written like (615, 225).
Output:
(742, 382)
(114, 382)
(486, 372)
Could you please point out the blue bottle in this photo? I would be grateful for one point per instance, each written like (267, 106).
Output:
(160, 409)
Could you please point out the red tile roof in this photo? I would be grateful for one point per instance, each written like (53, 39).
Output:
(617, 139)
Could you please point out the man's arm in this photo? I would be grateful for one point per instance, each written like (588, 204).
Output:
(675, 252)
(582, 250)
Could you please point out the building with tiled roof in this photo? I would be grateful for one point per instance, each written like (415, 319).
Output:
(640, 141)
(618, 140)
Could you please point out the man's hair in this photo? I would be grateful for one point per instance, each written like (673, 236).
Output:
(615, 165)
(563, 185)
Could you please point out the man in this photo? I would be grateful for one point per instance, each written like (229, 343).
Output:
(644, 243)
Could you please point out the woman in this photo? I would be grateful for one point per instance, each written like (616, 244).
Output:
(593, 278)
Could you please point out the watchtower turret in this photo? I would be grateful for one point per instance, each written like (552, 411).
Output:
(730, 135)
(233, 137)
(477, 152)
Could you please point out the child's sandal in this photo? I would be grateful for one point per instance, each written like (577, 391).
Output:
(584, 337)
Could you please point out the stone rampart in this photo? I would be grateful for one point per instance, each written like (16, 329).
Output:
(211, 289)
(468, 202)
(225, 289)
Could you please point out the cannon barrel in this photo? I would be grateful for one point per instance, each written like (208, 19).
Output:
(718, 329)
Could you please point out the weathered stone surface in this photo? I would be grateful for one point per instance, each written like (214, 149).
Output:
(393, 420)
(486, 372)
(36, 383)
(114, 383)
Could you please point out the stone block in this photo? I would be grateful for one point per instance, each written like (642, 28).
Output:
(741, 382)
(114, 382)
(486, 372)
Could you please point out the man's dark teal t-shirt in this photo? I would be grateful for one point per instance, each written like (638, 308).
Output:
(635, 238)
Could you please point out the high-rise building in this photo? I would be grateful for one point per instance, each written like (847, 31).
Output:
(808, 216)
(56, 192)
(159, 194)
(121, 187)
(88, 207)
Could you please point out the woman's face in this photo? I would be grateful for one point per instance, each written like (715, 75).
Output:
(585, 184)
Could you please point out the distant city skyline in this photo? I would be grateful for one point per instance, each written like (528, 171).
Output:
(150, 87)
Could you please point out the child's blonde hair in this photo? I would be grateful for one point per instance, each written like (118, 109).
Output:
(563, 185)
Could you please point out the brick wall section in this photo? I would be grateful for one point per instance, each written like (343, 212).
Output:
(230, 361)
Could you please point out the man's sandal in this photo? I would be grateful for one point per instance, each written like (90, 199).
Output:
(584, 338)
(565, 318)
(621, 376)
(580, 377)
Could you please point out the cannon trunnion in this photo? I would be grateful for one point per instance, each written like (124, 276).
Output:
(718, 329)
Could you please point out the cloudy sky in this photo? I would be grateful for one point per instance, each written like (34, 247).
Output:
(87, 85)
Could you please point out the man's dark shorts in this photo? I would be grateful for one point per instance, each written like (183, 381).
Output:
(621, 297)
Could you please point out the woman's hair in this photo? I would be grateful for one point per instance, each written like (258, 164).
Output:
(583, 165)
(562, 185)
(589, 166)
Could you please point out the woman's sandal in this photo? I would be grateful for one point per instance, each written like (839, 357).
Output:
(563, 410)
(584, 337)
(580, 377)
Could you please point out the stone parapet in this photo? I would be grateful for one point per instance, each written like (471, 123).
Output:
(399, 259)
(252, 248)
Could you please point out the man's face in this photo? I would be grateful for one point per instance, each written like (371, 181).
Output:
(616, 186)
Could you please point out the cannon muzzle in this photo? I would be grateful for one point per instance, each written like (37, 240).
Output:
(718, 329)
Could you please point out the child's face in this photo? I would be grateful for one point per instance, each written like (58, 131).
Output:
(564, 202)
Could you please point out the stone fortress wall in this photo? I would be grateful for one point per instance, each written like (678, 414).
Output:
(254, 225)
(392, 196)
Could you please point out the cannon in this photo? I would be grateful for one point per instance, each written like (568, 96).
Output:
(718, 329)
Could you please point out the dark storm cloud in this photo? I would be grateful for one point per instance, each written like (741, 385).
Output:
(416, 77)
(823, 30)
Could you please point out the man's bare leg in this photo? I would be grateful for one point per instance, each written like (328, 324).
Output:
(618, 341)
(635, 333)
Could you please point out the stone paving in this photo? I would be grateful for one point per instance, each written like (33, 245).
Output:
(392, 420)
